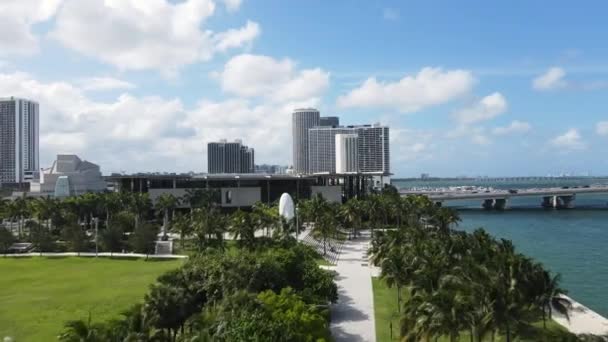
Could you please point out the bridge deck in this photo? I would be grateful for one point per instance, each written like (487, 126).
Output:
(463, 195)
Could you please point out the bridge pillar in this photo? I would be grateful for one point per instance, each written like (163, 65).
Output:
(565, 202)
(488, 204)
(549, 202)
(500, 203)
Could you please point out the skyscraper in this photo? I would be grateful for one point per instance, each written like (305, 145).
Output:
(372, 148)
(19, 140)
(347, 153)
(302, 120)
(331, 121)
(230, 157)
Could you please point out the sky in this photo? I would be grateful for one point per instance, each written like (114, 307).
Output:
(511, 88)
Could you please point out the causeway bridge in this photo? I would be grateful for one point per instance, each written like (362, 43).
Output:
(559, 198)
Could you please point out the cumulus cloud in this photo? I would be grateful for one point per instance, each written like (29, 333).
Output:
(16, 20)
(431, 86)
(476, 135)
(138, 133)
(410, 144)
(105, 83)
(514, 127)
(570, 140)
(602, 128)
(485, 109)
(234, 38)
(140, 35)
(249, 75)
(550, 80)
(232, 5)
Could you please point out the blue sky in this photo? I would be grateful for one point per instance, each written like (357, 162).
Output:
(468, 87)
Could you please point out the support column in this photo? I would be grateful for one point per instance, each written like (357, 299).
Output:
(488, 204)
(565, 202)
(500, 203)
(549, 202)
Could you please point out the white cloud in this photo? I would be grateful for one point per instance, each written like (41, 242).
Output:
(487, 108)
(514, 127)
(232, 5)
(105, 83)
(135, 133)
(409, 144)
(255, 75)
(550, 80)
(570, 140)
(602, 128)
(234, 38)
(476, 135)
(390, 14)
(140, 35)
(431, 86)
(16, 20)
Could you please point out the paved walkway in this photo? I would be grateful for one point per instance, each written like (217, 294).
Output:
(582, 320)
(352, 318)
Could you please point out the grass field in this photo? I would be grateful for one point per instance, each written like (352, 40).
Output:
(385, 312)
(37, 295)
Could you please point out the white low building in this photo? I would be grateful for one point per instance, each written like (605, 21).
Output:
(69, 176)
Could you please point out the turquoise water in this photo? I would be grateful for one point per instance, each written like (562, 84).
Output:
(573, 242)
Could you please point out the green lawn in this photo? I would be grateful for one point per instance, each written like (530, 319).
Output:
(385, 312)
(37, 295)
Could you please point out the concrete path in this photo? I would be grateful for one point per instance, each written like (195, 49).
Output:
(582, 320)
(352, 318)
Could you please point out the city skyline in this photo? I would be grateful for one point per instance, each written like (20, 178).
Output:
(460, 98)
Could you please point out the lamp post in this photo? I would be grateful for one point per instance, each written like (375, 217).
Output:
(96, 232)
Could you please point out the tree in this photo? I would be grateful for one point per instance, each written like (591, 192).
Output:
(208, 223)
(139, 205)
(112, 239)
(164, 305)
(143, 239)
(41, 237)
(75, 237)
(80, 331)
(242, 228)
(181, 224)
(352, 212)
(6, 240)
(166, 204)
(550, 295)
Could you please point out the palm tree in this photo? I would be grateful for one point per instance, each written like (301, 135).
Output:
(242, 228)
(352, 213)
(182, 225)
(550, 294)
(395, 272)
(165, 204)
(443, 218)
(80, 331)
(139, 205)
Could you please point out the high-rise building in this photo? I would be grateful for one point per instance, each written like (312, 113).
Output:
(247, 160)
(302, 120)
(372, 148)
(347, 153)
(332, 121)
(230, 157)
(19, 144)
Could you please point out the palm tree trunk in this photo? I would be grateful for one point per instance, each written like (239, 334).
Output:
(544, 317)
(508, 333)
(399, 299)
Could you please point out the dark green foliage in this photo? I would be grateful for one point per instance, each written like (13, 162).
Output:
(41, 237)
(6, 239)
(143, 238)
(111, 238)
(75, 238)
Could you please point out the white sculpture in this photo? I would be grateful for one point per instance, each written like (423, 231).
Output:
(286, 207)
